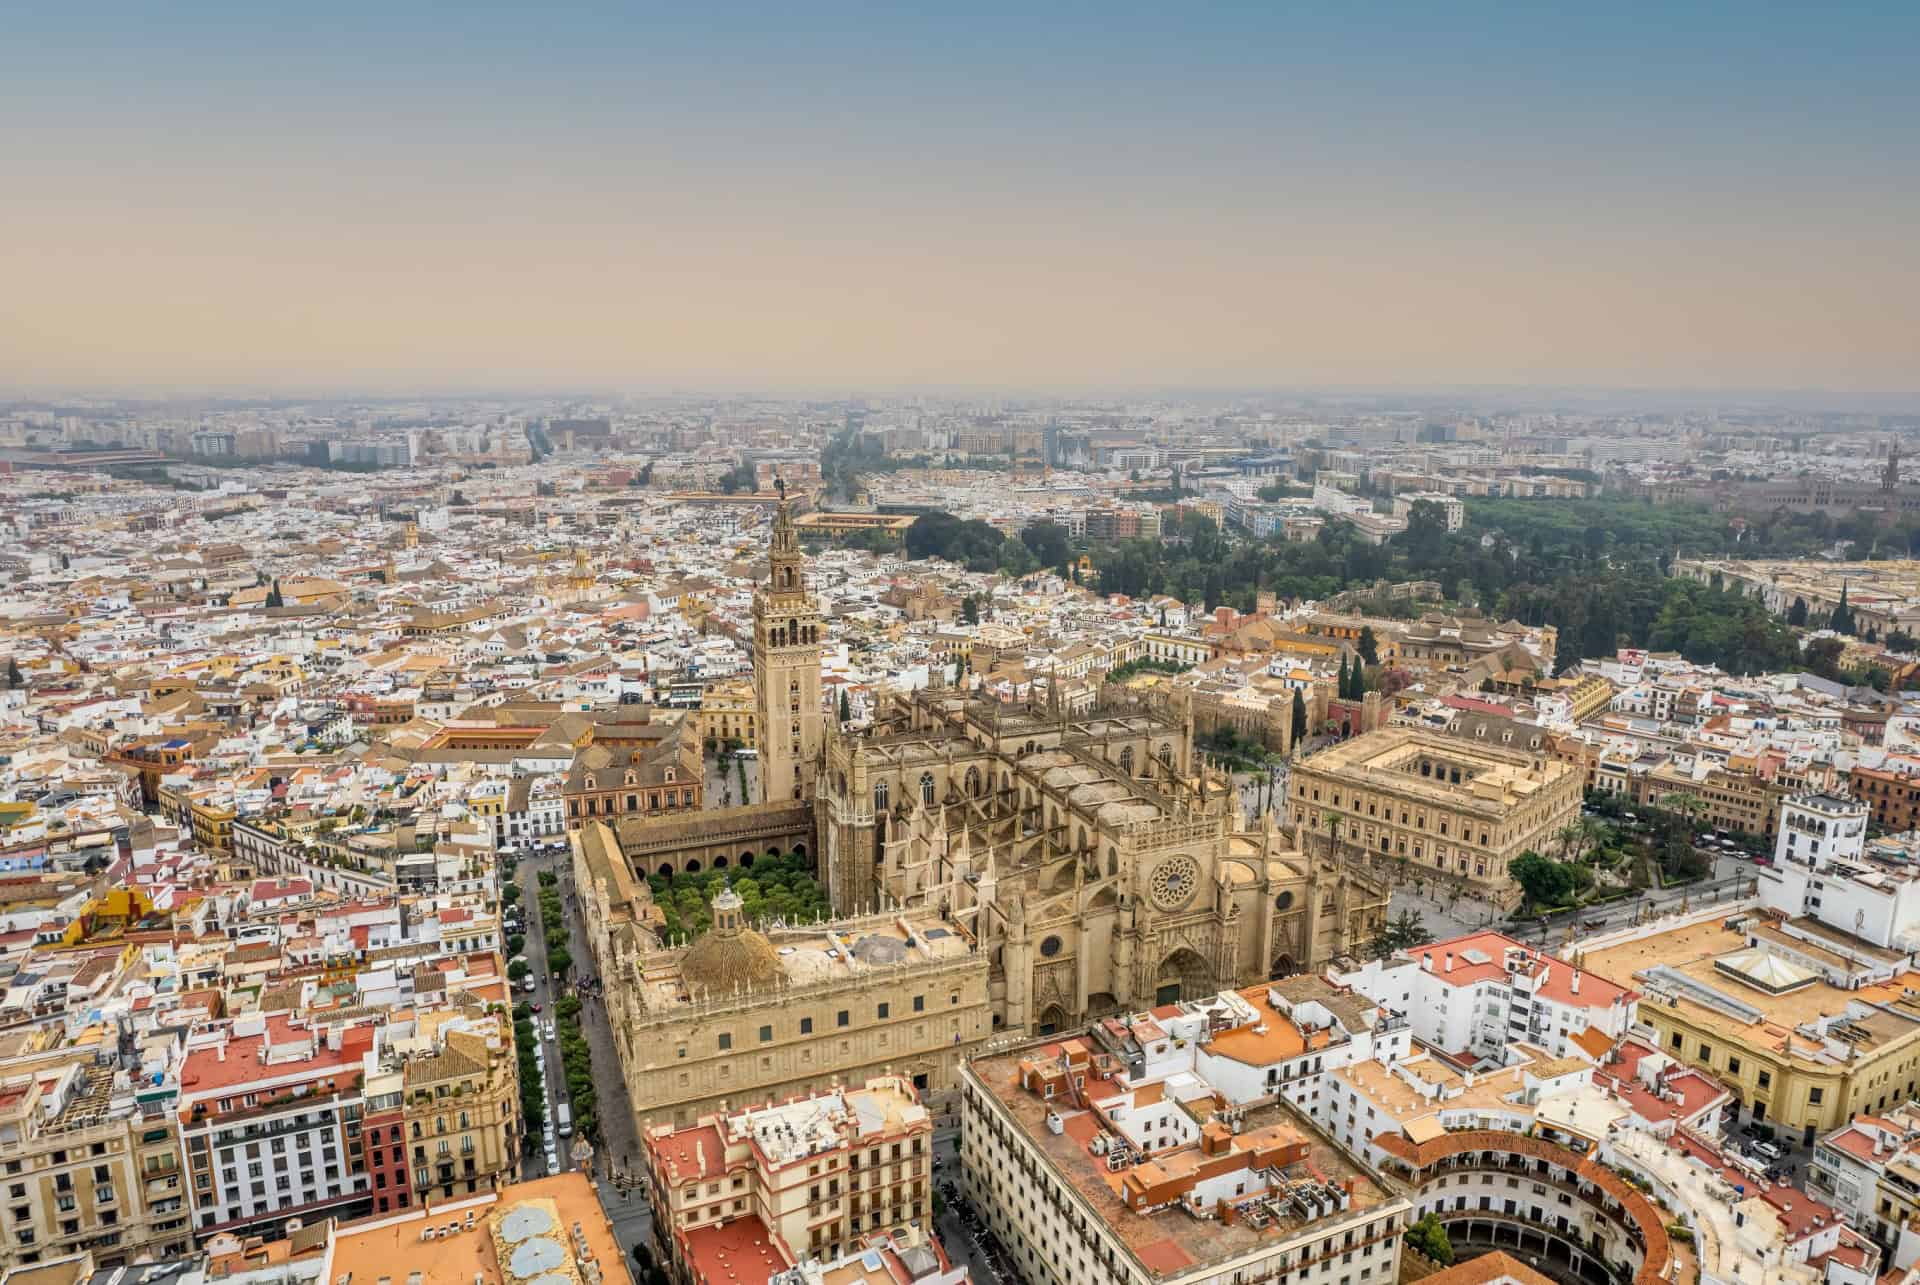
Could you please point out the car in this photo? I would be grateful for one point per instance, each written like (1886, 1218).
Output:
(1768, 1152)
(535, 1006)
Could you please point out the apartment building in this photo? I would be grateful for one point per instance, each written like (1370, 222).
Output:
(817, 1174)
(89, 1162)
(1870, 1168)
(270, 1119)
(1892, 797)
(1110, 1156)
(1472, 996)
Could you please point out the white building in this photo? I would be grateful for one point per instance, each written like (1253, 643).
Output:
(1168, 1148)
(1474, 995)
(1821, 871)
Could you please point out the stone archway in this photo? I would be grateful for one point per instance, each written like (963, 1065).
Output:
(1183, 974)
(1052, 1018)
(1282, 967)
(666, 870)
(693, 867)
(719, 863)
(800, 851)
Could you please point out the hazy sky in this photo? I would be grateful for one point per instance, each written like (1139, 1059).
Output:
(389, 195)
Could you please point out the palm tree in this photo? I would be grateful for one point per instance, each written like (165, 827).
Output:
(1569, 837)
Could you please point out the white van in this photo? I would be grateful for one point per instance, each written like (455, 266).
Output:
(566, 1121)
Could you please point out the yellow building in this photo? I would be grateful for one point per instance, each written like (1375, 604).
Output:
(739, 1016)
(727, 714)
(1754, 1006)
(462, 1114)
(1452, 808)
(85, 1171)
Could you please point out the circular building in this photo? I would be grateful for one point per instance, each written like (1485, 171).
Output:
(1568, 1215)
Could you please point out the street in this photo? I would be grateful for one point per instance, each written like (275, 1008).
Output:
(966, 1239)
(616, 1157)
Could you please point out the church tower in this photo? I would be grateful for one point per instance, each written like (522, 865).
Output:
(1890, 477)
(786, 667)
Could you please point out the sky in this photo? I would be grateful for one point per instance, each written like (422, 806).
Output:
(355, 196)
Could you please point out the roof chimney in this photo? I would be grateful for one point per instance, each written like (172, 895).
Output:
(700, 1153)
(1576, 981)
(1449, 961)
(1426, 961)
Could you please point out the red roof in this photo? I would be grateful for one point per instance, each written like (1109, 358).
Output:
(205, 1072)
(695, 1152)
(730, 1253)
(1595, 991)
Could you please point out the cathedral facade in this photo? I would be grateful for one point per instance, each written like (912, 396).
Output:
(1097, 860)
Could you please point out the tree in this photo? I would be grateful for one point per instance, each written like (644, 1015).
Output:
(1047, 541)
(1797, 613)
(1369, 646)
(1340, 689)
(273, 596)
(846, 708)
(517, 969)
(739, 478)
(1546, 882)
(558, 960)
(14, 677)
(969, 610)
(1823, 657)
(1299, 716)
(1842, 620)
(1405, 931)
(1429, 1236)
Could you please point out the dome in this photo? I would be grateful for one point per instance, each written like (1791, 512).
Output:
(731, 956)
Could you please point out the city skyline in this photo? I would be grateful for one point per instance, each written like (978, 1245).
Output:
(1702, 198)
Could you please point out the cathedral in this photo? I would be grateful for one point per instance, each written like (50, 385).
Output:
(1097, 860)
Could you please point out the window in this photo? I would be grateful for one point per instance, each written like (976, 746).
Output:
(1706, 1052)
(926, 788)
(766, 1034)
(883, 1011)
(1814, 1096)
(920, 1006)
(726, 1041)
(1733, 1066)
(806, 1026)
(840, 1018)
(1766, 1079)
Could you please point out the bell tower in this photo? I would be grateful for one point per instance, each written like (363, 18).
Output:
(786, 667)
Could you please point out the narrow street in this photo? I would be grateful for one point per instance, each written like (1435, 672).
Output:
(534, 1163)
(616, 1157)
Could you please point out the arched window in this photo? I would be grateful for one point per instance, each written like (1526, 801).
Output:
(1166, 754)
(880, 796)
(973, 780)
(926, 788)
(1126, 760)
